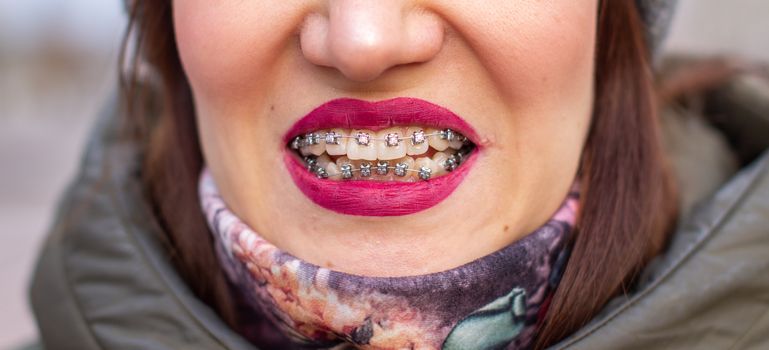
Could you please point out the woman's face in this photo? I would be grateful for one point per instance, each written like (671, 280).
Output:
(514, 77)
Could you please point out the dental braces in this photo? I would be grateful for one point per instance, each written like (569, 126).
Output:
(365, 139)
(383, 167)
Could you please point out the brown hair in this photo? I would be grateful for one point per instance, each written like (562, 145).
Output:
(627, 203)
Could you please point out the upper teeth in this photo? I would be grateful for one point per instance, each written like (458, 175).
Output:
(387, 144)
(418, 137)
(363, 138)
(392, 139)
(332, 138)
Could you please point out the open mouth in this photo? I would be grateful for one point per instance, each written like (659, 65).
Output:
(393, 154)
(386, 158)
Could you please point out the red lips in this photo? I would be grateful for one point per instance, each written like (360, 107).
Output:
(377, 198)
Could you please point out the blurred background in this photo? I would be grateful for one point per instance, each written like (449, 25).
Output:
(58, 64)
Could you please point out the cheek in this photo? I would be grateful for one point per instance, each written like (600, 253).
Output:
(544, 69)
(546, 54)
(539, 57)
(230, 51)
(229, 48)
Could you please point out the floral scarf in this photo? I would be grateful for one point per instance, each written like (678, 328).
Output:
(496, 301)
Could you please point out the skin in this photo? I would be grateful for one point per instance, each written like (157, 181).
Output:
(520, 72)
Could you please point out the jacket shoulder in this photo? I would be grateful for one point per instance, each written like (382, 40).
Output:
(709, 290)
(103, 278)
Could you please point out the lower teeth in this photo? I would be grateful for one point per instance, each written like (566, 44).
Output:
(384, 168)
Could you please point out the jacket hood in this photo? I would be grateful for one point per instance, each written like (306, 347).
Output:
(104, 280)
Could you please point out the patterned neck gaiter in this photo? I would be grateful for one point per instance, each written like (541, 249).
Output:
(494, 302)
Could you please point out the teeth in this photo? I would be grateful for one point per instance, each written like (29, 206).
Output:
(390, 144)
(340, 148)
(425, 173)
(331, 137)
(296, 143)
(332, 168)
(365, 169)
(392, 139)
(322, 161)
(451, 163)
(457, 142)
(400, 169)
(438, 159)
(305, 151)
(342, 161)
(455, 139)
(363, 137)
(361, 145)
(321, 167)
(436, 141)
(311, 162)
(311, 139)
(425, 166)
(417, 135)
(312, 145)
(384, 156)
(321, 173)
(404, 164)
(346, 171)
(382, 167)
(403, 169)
(417, 141)
(317, 146)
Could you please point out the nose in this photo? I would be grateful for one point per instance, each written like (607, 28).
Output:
(364, 38)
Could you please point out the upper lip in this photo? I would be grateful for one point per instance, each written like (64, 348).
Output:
(351, 113)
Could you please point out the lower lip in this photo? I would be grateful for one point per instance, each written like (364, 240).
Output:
(376, 198)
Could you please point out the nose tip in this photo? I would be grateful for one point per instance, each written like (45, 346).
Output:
(364, 38)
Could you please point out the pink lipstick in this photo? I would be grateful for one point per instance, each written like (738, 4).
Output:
(365, 194)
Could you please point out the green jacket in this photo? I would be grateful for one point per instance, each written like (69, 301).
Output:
(104, 282)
